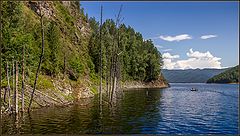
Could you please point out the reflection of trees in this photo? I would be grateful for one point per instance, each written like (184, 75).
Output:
(136, 109)
(30, 122)
(139, 108)
(132, 111)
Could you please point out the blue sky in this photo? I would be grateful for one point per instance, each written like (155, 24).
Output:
(176, 29)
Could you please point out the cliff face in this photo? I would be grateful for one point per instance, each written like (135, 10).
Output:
(50, 11)
(74, 34)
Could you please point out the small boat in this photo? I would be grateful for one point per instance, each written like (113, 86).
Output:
(193, 89)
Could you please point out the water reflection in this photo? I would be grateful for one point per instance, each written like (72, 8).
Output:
(172, 110)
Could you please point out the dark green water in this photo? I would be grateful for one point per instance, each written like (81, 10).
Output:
(213, 109)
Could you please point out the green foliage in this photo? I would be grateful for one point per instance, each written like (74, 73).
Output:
(65, 38)
(12, 30)
(52, 57)
(228, 76)
(139, 59)
(76, 67)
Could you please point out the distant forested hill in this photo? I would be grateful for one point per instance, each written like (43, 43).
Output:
(228, 76)
(190, 75)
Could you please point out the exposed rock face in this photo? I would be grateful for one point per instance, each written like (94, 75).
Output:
(86, 93)
(63, 87)
(159, 83)
(46, 8)
(72, 6)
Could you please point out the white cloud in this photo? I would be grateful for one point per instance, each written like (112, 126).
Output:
(168, 60)
(197, 54)
(195, 60)
(168, 64)
(165, 50)
(169, 56)
(207, 36)
(176, 38)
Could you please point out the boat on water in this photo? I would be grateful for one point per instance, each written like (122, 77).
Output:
(194, 89)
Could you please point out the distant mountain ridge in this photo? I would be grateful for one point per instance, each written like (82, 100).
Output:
(229, 76)
(190, 75)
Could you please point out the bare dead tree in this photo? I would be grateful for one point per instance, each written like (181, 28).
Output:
(100, 38)
(40, 61)
(64, 65)
(116, 54)
(4, 95)
(111, 69)
(106, 77)
(8, 87)
(23, 74)
(13, 81)
(16, 88)
(1, 66)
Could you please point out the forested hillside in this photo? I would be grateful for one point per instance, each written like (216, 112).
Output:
(139, 59)
(72, 51)
(190, 75)
(229, 76)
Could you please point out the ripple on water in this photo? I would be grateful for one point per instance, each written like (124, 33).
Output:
(176, 110)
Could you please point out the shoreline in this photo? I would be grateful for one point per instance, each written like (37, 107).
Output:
(144, 87)
(61, 95)
(154, 84)
(224, 83)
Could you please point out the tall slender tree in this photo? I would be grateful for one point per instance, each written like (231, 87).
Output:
(0, 67)
(40, 61)
(100, 92)
(23, 74)
(116, 54)
(16, 88)
(8, 87)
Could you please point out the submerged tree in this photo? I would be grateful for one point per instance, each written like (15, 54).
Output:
(40, 61)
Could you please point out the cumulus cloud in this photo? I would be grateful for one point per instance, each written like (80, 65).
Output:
(197, 54)
(195, 60)
(168, 60)
(176, 38)
(207, 36)
(169, 56)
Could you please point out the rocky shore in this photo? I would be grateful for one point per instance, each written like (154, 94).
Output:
(159, 83)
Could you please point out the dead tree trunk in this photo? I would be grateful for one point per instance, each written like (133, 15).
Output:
(115, 54)
(112, 72)
(23, 74)
(110, 85)
(106, 78)
(1, 68)
(16, 89)
(4, 96)
(13, 82)
(64, 63)
(40, 61)
(100, 91)
(8, 87)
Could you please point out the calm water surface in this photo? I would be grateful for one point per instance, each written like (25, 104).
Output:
(212, 109)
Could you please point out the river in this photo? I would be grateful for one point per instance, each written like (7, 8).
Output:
(213, 109)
